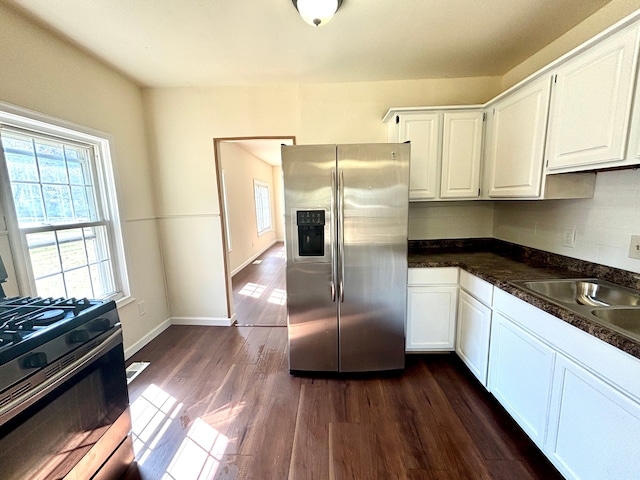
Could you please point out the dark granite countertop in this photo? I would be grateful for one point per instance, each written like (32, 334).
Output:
(500, 262)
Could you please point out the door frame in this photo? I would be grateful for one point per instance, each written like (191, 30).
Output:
(221, 201)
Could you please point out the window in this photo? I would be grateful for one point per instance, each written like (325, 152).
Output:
(59, 199)
(263, 206)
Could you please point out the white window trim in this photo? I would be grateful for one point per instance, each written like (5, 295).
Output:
(107, 189)
(260, 183)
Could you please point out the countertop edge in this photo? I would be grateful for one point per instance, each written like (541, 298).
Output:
(601, 332)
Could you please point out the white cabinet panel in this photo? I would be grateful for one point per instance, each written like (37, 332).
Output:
(591, 104)
(515, 141)
(594, 430)
(431, 318)
(472, 336)
(423, 131)
(520, 375)
(461, 154)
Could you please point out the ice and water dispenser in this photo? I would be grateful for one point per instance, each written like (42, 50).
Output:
(310, 225)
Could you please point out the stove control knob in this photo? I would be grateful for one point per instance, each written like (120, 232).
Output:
(35, 360)
(100, 325)
(79, 336)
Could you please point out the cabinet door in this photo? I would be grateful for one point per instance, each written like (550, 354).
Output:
(472, 337)
(594, 429)
(431, 318)
(515, 141)
(520, 375)
(423, 131)
(461, 154)
(591, 104)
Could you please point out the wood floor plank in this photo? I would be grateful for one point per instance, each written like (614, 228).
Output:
(267, 278)
(225, 393)
(350, 451)
(310, 454)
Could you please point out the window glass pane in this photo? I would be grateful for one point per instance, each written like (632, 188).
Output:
(51, 286)
(21, 161)
(44, 254)
(102, 278)
(96, 244)
(57, 201)
(53, 168)
(72, 251)
(80, 204)
(29, 204)
(263, 206)
(76, 174)
(78, 283)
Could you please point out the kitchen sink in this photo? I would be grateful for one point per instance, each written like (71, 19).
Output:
(625, 318)
(589, 292)
(604, 302)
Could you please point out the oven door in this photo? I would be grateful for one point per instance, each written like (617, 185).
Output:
(70, 426)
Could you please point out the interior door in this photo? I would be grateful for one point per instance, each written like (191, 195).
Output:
(373, 184)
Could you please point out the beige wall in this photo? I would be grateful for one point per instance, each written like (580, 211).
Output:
(42, 73)
(596, 23)
(182, 123)
(241, 168)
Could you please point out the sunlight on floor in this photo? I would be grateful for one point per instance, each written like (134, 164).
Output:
(200, 454)
(201, 451)
(252, 290)
(278, 296)
(281, 253)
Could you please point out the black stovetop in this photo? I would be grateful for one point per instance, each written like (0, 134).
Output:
(28, 322)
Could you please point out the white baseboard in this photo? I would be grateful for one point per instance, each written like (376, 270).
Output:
(133, 349)
(247, 262)
(203, 321)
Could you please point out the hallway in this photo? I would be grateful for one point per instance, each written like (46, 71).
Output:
(259, 292)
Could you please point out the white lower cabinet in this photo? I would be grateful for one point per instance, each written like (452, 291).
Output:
(594, 429)
(472, 335)
(432, 297)
(520, 375)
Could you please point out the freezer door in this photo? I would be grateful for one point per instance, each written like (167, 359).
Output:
(309, 173)
(373, 185)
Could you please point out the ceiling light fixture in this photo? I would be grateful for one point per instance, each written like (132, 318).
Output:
(317, 12)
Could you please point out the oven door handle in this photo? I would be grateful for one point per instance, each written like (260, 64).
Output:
(24, 401)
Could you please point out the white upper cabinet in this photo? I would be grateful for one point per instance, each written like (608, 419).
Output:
(591, 105)
(461, 154)
(446, 151)
(514, 150)
(423, 131)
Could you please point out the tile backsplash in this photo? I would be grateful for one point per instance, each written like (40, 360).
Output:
(438, 220)
(603, 224)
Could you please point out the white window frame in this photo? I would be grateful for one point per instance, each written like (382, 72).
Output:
(260, 184)
(106, 192)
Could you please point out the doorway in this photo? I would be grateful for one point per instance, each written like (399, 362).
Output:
(251, 199)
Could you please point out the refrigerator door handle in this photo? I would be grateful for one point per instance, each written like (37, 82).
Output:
(341, 234)
(333, 283)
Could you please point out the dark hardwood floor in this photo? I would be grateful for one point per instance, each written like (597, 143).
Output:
(219, 402)
(259, 292)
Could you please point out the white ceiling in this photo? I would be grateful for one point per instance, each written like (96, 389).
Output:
(165, 43)
(266, 149)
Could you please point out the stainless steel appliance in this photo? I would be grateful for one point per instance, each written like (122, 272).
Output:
(346, 209)
(64, 406)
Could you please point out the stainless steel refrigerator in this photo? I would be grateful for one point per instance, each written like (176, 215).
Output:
(346, 210)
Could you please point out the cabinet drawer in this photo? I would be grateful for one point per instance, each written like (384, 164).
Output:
(433, 276)
(477, 287)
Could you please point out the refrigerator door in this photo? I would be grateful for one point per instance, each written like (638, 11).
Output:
(309, 179)
(372, 268)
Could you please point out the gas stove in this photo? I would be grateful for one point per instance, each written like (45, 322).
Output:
(34, 332)
(62, 383)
